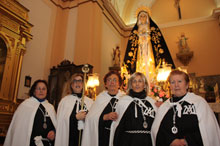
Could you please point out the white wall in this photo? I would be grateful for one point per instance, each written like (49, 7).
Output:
(110, 39)
(37, 58)
(71, 35)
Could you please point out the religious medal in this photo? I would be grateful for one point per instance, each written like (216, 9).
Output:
(145, 124)
(45, 125)
(174, 129)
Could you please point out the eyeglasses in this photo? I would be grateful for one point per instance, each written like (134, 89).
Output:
(112, 80)
(42, 89)
(77, 81)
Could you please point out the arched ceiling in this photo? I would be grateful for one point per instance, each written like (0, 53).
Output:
(127, 8)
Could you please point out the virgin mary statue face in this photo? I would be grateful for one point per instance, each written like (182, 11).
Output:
(142, 18)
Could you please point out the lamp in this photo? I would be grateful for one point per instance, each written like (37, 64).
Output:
(163, 72)
(92, 83)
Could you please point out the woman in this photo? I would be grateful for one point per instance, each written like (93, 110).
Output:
(70, 117)
(34, 121)
(136, 113)
(185, 119)
(102, 113)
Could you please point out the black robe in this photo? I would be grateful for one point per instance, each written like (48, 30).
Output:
(133, 111)
(130, 123)
(104, 126)
(38, 129)
(188, 127)
(74, 133)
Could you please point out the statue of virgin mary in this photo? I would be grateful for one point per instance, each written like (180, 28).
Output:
(146, 47)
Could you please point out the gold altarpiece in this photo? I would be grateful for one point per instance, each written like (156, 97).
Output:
(14, 33)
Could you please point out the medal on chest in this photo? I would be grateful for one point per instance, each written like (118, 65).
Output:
(176, 111)
(45, 114)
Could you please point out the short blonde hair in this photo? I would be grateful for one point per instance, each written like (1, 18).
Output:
(146, 86)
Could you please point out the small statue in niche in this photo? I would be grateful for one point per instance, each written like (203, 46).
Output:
(183, 46)
(184, 54)
(202, 86)
(116, 57)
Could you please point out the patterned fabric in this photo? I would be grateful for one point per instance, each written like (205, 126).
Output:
(160, 49)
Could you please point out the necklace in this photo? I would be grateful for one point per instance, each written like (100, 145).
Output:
(45, 114)
(114, 104)
(141, 104)
(174, 129)
(145, 122)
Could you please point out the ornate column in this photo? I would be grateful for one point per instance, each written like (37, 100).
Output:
(14, 33)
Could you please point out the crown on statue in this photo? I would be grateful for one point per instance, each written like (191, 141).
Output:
(143, 9)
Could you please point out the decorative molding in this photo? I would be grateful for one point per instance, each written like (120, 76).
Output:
(6, 22)
(114, 18)
(6, 112)
(111, 10)
(69, 4)
(6, 108)
(15, 7)
(216, 14)
(67, 0)
(186, 21)
(14, 17)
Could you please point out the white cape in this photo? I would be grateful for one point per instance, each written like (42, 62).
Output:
(208, 125)
(20, 129)
(90, 133)
(121, 108)
(64, 111)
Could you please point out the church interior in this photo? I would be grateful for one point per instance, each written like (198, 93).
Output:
(51, 39)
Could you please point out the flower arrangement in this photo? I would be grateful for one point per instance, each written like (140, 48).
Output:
(158, 92)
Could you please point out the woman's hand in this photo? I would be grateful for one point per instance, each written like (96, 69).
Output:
(51, 135)
(179, 142)
(110, 116)
(81, 115)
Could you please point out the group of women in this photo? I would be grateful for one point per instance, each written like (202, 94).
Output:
(115, 118)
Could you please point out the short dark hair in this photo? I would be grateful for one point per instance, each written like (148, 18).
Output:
(111, 73)
(179, 72)
(33, 87)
